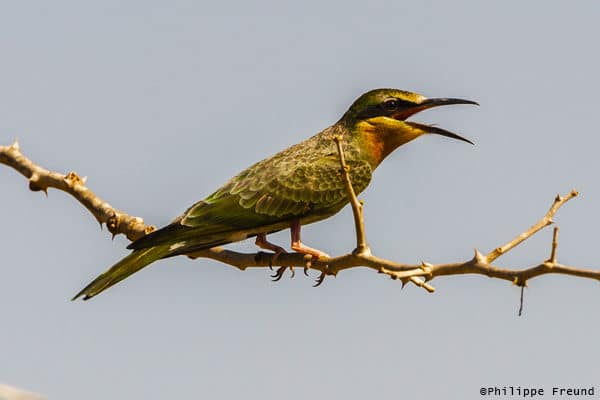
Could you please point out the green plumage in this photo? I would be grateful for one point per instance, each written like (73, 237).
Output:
(301, 184)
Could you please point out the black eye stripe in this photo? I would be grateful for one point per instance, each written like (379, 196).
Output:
(377, 110)
(400, 103)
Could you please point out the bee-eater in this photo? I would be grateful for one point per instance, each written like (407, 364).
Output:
(297, 186)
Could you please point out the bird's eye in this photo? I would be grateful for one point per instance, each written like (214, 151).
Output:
(391, 104)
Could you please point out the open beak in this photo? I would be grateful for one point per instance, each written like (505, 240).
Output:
(430, 103)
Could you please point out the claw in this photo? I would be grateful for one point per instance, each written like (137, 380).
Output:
(320, 279)
(262, 242)
(278, 274)
(280, 271)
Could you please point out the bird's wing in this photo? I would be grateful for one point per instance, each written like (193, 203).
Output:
(271, 192)
(267, 193)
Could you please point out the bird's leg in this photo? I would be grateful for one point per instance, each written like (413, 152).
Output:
(262, 242)
(300, 247)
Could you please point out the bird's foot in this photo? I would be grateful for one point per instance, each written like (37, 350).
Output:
(315, 254)
(262, 242)
(310, 255)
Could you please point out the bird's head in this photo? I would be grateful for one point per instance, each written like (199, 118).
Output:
(379, 116)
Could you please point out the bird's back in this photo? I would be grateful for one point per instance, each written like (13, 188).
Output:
(302, 182)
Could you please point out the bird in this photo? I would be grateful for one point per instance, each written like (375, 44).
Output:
(297, 186)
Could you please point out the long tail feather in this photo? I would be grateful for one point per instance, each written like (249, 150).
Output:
(134, 262)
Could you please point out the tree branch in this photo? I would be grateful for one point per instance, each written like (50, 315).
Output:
(40, 179)
(133, 227)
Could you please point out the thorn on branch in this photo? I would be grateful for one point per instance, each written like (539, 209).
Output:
(479, 258)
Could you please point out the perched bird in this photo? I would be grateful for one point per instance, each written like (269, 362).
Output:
(295, 187)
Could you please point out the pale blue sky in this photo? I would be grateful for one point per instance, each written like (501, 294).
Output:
(160, 104)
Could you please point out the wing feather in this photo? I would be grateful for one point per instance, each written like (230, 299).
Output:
(302, 179)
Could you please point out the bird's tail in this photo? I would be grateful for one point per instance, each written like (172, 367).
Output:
(134, 262)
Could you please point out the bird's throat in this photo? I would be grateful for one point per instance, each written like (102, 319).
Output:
(381, 135)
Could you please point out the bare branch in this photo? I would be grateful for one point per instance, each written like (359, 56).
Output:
(357, 206)
(542, 223)
(418, 274)
(40, 179)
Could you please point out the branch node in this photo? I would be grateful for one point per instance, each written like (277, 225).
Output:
(73, 179)
(363, 251)
(15, 145)
(34, 184)
(112, 222)
(519, 281)
(427, 268)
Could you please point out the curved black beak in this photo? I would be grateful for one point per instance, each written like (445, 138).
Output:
(437, 131)
(443, 101)
(406, 112)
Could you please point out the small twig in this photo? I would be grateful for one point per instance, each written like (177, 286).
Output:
(521, 300)
(357, 207)
(552, 259)
(542, 223)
